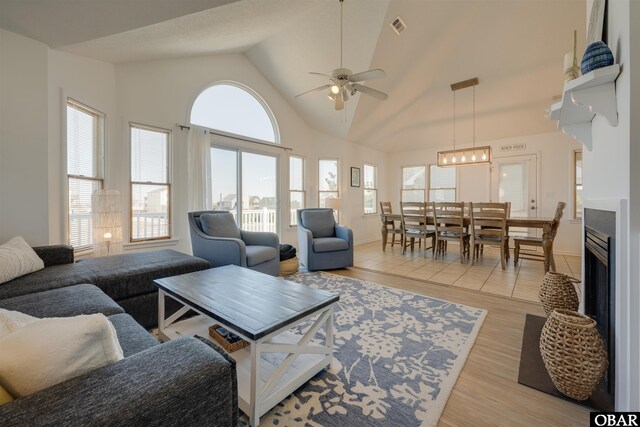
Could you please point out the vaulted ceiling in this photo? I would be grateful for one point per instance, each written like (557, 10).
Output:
(514, 47)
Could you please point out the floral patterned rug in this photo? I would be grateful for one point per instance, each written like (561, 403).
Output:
(398, 356)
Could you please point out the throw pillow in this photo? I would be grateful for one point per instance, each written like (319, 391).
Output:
(17, 259)
(11, 321)
(49, 351)
(219, 225)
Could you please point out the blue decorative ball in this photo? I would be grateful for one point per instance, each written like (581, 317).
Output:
(596, 56)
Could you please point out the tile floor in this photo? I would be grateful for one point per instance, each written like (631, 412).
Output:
(486, 275)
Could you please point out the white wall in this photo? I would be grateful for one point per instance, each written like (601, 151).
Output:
(92, 83)
(608, 173)
(160, 93)
(555, 154)
(23, 139)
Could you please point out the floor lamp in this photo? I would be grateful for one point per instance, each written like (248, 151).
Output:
(107, 222)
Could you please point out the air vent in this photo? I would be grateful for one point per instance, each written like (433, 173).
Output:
(398, 25)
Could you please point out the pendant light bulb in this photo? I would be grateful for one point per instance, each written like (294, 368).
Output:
(335, 89)
(445, 161)
(484, 156)
(463, 159)
(473, 158)
(453, 160)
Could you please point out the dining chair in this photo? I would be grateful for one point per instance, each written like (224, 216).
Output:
(506, 237)
(389, 224)
(415, 225)
(536, 242)
(448, 220)
(489, 227)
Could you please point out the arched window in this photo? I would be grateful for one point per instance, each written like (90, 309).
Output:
(231, 108)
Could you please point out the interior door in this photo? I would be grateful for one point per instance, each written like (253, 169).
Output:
(515, 179)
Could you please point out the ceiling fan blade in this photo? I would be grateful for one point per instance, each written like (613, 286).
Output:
(314, 90)
(319, 74)
(371, 92)
(339, 102)
(367, 75)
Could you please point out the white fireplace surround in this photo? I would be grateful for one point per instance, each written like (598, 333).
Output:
(622, 298)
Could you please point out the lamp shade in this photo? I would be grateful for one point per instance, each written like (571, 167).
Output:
(107, 222)
(334, 204)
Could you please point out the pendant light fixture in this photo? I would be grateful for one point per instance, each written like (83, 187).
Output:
(464, 156)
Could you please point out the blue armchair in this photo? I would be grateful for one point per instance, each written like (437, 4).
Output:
(216, 238)
(323, 244)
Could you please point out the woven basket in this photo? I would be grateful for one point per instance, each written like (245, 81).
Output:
(229, 347)
(289, 267)
(558, 293)
(573, 353)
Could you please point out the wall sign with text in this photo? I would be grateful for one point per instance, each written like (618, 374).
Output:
(513, 147)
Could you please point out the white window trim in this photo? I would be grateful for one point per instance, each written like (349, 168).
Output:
(304, 184)
(375, 188)
(272, 117)
(428, 189)
(164, 239)
(424, 190)
(101, 161)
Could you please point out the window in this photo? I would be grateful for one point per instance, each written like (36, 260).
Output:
(442, 184)
(246, 184)
(85, 165)
(577, 184)
(328, 181)
(370, 189)
(150, 186)
(233, 109)
(413, 183)
(296, 187)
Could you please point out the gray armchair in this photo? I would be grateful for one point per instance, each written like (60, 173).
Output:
(323, 244)
(216, 238)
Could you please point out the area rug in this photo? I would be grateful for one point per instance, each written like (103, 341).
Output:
(398, 356)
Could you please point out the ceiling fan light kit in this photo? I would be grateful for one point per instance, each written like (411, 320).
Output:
(464, 156)
(344, 83)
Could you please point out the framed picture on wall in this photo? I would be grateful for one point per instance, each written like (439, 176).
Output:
(355, 177)
(596, 21)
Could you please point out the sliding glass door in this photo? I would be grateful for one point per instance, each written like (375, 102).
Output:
(246, 184)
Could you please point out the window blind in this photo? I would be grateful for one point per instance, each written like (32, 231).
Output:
(150, 186)
(442, 184)
(370, 189)
(85, 129)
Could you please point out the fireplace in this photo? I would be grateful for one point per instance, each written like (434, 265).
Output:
(599, 286)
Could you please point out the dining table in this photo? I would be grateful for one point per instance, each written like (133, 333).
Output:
(524, 222)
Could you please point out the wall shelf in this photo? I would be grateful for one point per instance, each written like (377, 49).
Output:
(583, 98)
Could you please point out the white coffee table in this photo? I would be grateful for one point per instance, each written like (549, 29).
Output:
(262, 310)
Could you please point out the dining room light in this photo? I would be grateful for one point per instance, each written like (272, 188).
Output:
(467, 156)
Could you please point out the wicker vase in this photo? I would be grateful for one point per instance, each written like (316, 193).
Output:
(573, 353)
(558, 293)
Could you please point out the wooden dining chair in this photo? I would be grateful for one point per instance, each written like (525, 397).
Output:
(415, 225)
(506, 237)
(448, 220)
(489, 227)
(385, 208)
(536, 242)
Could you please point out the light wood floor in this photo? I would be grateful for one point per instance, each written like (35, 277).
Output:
(486, 275)
(487, 392)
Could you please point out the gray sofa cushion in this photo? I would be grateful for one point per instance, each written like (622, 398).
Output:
(63, 302)
(133, 338)
(129, 275)
(329, 244)
(219, 225)
(259, 254)
(57, 276)
(320, 222)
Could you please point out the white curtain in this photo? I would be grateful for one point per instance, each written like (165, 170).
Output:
(199, 169)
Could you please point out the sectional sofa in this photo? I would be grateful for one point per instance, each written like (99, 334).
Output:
(188, 381)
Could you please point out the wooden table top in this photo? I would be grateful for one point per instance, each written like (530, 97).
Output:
(255, 304)
(511, 222)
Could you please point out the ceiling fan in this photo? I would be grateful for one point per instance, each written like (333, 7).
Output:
(343, 83)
